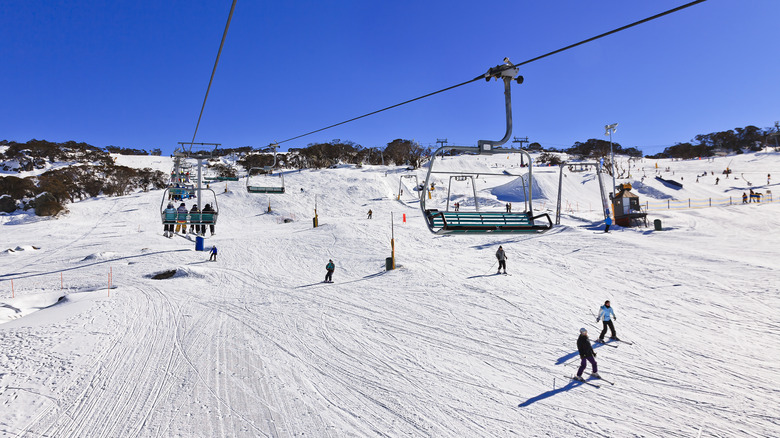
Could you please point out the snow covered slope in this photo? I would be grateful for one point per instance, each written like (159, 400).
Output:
(255, 345)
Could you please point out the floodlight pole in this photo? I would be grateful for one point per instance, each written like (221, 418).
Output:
(610, 130)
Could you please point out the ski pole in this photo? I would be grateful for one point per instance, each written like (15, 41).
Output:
(491, 266)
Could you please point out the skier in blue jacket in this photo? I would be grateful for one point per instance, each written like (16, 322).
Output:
(607, 315)
(213, 255)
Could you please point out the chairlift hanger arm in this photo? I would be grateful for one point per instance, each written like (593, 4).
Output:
(498, 70)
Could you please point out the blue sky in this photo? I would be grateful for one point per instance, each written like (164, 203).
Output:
(134, 73)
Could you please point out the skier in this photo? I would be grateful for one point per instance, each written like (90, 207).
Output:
(206, 210)
(607, 223)
(501, 256)
(213, 256)
(195, 219)
(586, 354)
(330, 267)
(370, 213)
(607, 315)
(181, 218)
(169, 221)
(744, 198)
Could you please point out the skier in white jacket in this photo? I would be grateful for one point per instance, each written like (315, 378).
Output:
(607, 315)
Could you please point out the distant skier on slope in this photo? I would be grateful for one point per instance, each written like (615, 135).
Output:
(586, 355)
(607, 222)
(213, 256)
(607, 315)
(330, 267)
(370, 214)
(501, 256)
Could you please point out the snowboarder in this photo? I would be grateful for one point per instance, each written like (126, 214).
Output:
(586, 355)
(607, 315)
(213, 256)
(330, 267)
(370, 213)
(607, 223)
(169, 221)
(501, 256)
(181, 218)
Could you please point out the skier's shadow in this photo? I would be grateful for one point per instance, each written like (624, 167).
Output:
(552, 392)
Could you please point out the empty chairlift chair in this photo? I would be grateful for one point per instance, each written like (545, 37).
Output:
(480, 222)
(264, 183)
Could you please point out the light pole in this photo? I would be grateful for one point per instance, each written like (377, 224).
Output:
(611, 130)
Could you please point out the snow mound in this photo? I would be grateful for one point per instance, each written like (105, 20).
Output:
(25, 305)
(515, 190)
(108, 255)
(21, 248)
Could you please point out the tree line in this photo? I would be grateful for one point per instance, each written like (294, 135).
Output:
(93, 173)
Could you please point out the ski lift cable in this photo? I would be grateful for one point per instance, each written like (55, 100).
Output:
(213, 71)
(492, 72)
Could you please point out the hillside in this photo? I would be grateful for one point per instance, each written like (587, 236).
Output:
(255, 345)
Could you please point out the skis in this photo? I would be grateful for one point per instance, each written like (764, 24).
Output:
(604, 343)
(607, 381)
(573, 379)
(625, 342)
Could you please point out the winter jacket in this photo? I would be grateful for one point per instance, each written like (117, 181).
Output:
(606, 313)
(213, 249)
(500, 255)
(584, 347)
(608, 220)
(170, 214)
(181, 213)
(330, 266)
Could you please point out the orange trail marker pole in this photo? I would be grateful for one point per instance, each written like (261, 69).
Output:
(13, 295)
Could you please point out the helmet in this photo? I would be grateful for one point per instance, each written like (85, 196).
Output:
(583, 330)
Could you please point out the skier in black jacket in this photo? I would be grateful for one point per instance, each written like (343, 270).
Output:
(586, 354)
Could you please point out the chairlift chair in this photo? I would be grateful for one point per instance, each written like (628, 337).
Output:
(416, 185)
(200, 218)
(266, 186)
(253, 185)
(479, 222)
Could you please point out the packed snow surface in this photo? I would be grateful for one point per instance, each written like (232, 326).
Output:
(255, 345)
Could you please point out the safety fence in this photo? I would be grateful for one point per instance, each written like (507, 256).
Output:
(25, 284)
(680, 204)
(668, 204)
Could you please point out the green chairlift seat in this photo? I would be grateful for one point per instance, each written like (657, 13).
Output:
(478, 222)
